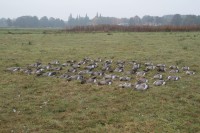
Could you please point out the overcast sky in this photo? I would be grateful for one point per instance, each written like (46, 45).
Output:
(112, 8)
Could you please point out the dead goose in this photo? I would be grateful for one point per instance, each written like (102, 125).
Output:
(81, 62)
(75, 66)
(100, 73)
(105, 82)
(174, 71)
(126, 85)
(110, 76)
(90, 68)
(120, 62)
(190, 72)
(52, 74)
(158, 76)
(91, 80)
(108, 61)
(98, 60)
(135, 66)
(161, 65)
(74, 77)
(173, 78)
(55, 62)
(73, 70)
(159, 82)
(36, 64)
(65, 75)
(161, 68)
(13, 69)
(27, 71)
(130, 72)
(49, 74)
(141, 74)
(84, 72)
(124, 78)
(39, 72)
(148, 64)
(173, 67)
(119, 69)
(105, 68)
(120, 65)
(48, 67)
(56, 68)
(142, 80)
(141, 87)
(150, 68)
(66, 64)
(185, 68)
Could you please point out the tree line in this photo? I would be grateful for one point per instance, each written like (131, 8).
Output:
(32, 22)
(173, 20)
(45, 22)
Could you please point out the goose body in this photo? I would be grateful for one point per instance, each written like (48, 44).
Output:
(74, 77)
(126, 85)
(185, 68)
(27, 71)
(174, 71)
(124, 78)
(110, 76)
(36, 64)
(142, 80)
(161, 69)
(97, 73)
(173, 67)
(76, 66)
(73, 70)
(105, 82)
(130, 72)
(13, 69)
(119, 69)
(141, 74)
(159, 82)
(39, 72)
(173, 78)
(52, 73)
(160, 65)
(56, 62)
(190, 72)
(120, 65)
(148, 64)
(150, 67)
(135, 66)
(158, 76)
(91, 80)
(141, 87)
(65, 76)
(49, 74)
(91, 67)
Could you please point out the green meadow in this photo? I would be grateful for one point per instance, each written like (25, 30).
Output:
(43, 104)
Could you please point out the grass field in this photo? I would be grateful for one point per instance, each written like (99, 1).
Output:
(40, 104)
